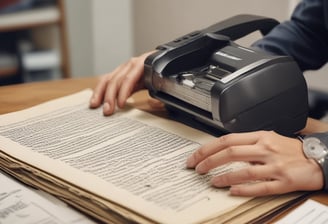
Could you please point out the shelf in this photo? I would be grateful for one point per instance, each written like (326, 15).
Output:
(47, 56)
(29, 19)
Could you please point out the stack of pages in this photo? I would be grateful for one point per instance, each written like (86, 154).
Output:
(128, 167)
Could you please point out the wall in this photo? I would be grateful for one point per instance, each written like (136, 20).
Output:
(157, 22)
(100, 35)
(80, 36)
(112, 34)
(105, 33)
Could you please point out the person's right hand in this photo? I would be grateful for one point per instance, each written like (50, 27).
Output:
(114, 88)
(277, 164)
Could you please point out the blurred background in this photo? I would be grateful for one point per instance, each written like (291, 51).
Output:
(53, 39)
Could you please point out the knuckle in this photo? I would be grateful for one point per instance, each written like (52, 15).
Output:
(289, 179)
(224, 139)
(225, 180)
(251, 174)
(264, 135)
(267, 189)
(208, 162)
(231, 152)
(103, 78)
(199, 154)
(133, 60)
(277, 169)
(127, 77)
(267, 139)
(102, 81)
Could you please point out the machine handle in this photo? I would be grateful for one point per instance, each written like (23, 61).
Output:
(242, 25)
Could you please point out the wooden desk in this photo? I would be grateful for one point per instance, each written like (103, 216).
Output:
(18, 97)
(21, 96)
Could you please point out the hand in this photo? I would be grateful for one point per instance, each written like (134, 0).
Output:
(114, 88)
(278, 164)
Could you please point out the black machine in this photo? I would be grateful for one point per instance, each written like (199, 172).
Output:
(206, 77)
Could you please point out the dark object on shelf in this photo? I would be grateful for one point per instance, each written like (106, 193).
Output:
(9, 66)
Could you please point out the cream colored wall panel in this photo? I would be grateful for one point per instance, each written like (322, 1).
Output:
(80, 36)
(112, 32)
(157, 22)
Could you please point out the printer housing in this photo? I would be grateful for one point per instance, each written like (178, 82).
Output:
(206, 76)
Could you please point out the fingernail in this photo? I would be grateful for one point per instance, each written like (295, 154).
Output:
(200, 169)
(92, 101)
(93, 98)
(234, 190)
(216, 182)
(106, 108)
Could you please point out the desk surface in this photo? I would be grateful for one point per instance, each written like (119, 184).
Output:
(21, 96)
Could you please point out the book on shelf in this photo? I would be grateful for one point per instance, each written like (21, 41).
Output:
(128, 167)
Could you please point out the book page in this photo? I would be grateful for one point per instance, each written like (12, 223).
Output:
(132, 158)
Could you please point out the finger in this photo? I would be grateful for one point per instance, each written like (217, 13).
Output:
(130, 80)
(264, 188)
(244, 153)
(113, 87)
(99, 92)
(219, 144)
(245, 175)
(156, 104)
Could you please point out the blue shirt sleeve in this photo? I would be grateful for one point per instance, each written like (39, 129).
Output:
(304, 37)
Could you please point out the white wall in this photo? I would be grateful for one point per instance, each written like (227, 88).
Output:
(80, 37)
(99, 33)
(112, 33)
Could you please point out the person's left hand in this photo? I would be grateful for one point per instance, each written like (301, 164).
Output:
(278, 164)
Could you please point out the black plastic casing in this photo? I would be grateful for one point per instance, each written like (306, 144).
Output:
(269, 92)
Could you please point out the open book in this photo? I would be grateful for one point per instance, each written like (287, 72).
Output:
(129, 167)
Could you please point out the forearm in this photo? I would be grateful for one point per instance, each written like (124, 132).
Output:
(314, 126)
(304, 37)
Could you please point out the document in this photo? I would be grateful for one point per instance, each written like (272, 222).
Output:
(128, 166)
(21, 204)
(308, 213)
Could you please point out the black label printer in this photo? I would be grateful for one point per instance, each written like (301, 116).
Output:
(206, 79)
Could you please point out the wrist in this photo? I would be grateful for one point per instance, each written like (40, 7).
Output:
(315, 148)
(314, 126)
